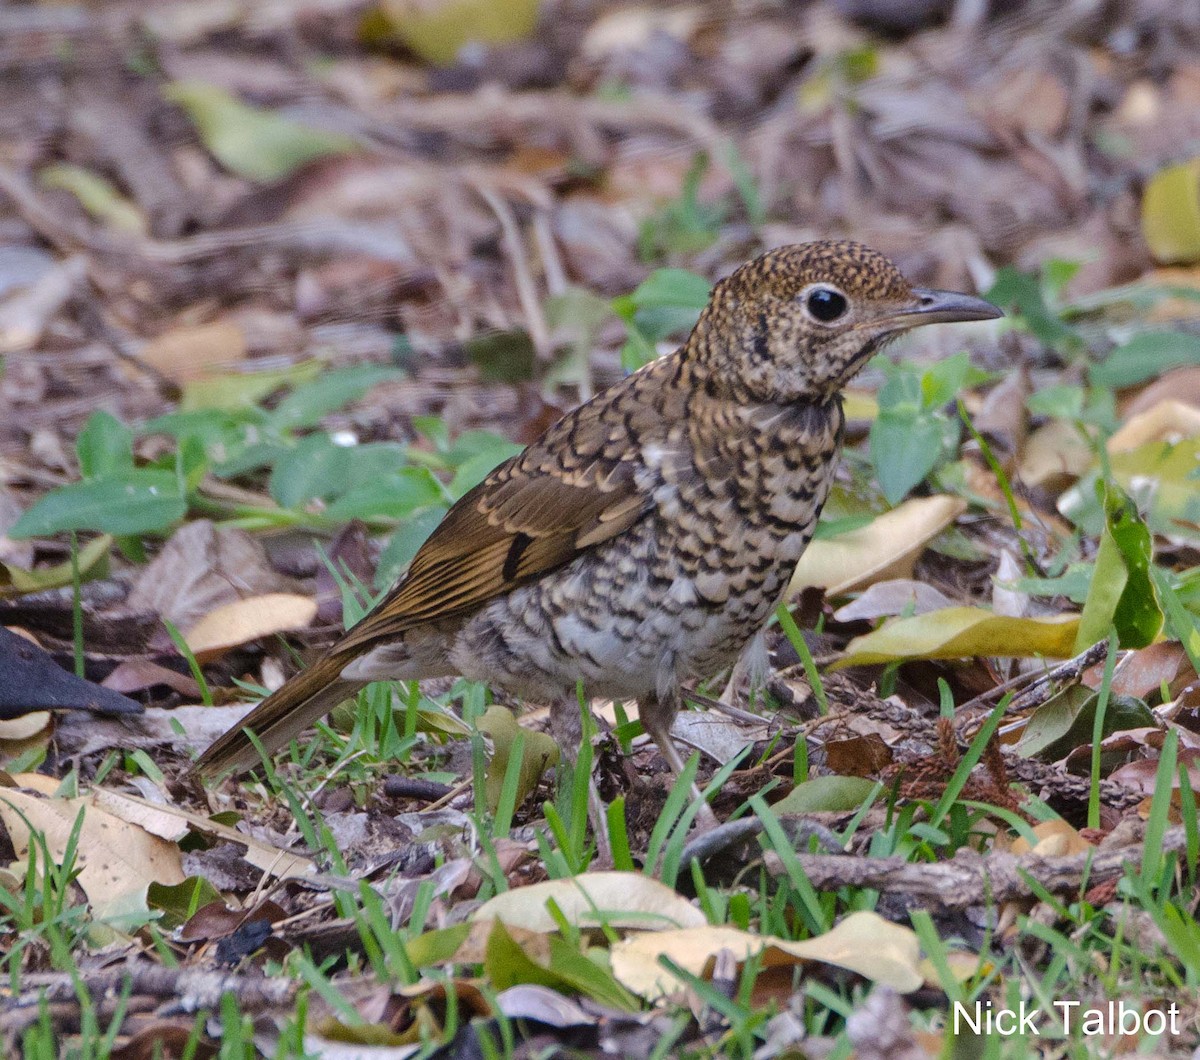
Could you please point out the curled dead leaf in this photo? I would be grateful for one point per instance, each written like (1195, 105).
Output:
(886, 548)
(863, 943)
(620, 899)
(246, 620)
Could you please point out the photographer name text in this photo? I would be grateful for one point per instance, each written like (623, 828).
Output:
(982, 1017)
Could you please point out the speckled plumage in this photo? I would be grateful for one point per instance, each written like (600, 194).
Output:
(647, 536)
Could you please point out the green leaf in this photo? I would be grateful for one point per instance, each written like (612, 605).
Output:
(179, 901)
(1022, 295)
(942, 382)
(471, 444)
(560, 966)
(1066, 720)
(672, 287)
(394, 496)
(637, 351)
(1122, 592)
(905, 447)
(503, 356)
(1057, 273)
(668, 302)
(829, 793)
(314, 469)
(1058, 402)
(250, 142)
(473, 471)
(306, 405)
(1146, 356)
(1073, 583)
(104, 446)
(138, 501)
(243, 390)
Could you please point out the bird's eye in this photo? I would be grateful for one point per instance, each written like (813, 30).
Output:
(826, 304)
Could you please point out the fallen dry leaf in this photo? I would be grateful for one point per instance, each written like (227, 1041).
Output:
(963, 632)
(863, 943)
(1054, 456)
(247, 620)
(279, 863)
(620, 899)
(886, 548)
(1168, 421)
(116, 859)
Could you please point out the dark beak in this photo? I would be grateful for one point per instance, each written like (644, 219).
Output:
(945, 307)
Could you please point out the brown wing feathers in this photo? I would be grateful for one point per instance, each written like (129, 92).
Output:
(522, 522)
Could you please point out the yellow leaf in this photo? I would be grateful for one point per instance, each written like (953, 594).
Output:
(960, 633)
(278, 863)
(253, 142)
(245, 620)
(621, 899)
(436, 30)
(92, 562)
(116, 859)
(863, 943)
(1054, 456)
(96, 195)
(24, 727)
(1171, 212)
(887, 547)
(1168, 421)
(1055, 838)
(186, 353)
(540, 753)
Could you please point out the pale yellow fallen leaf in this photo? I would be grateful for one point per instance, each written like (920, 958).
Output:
(195, 350)
(1054, 456)
(887, 547)
(862, 942)
(115, 859)
(276, 862)
(242, 621)
(635, 960)
(437, 29)
(37, 782)
(25, 727)
(961, 633)
(1055, 838)
(962, 964)
(1168, 421)
(620, 899)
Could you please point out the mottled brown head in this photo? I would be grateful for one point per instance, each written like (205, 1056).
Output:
(798, 322)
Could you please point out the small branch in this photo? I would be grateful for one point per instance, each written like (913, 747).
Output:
(971, 879)
(531, 303)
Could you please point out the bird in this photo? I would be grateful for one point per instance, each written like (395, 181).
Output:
(647, 537)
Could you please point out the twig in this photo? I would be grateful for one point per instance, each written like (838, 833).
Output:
(531, 303)
(970, 879)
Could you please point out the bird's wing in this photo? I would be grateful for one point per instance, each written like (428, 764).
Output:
(535, 512)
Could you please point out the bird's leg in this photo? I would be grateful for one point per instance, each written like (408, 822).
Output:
(566, 727)
(657, 714)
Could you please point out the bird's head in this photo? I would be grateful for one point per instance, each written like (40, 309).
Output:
(798, 322)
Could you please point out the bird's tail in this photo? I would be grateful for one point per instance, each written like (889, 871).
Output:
(283, 715)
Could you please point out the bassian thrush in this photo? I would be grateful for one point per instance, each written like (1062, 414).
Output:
(648, 535)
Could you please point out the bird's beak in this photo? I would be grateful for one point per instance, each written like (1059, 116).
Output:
(944, 307)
